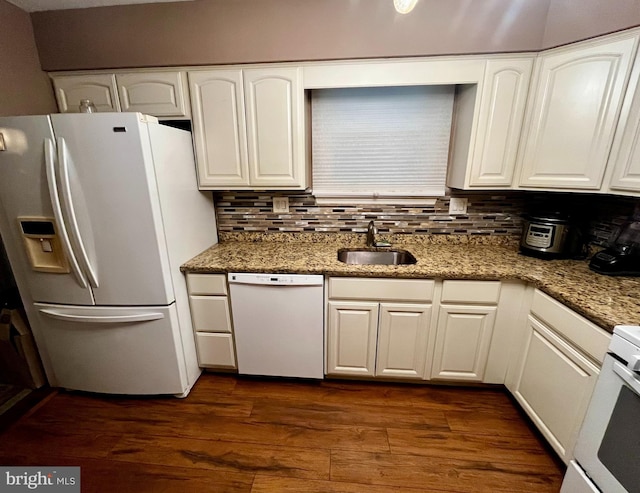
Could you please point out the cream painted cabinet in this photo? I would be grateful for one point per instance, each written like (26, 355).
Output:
(352, 338)
(462, 342)
(576, 97)
(464, 331)
(211, 318)
(379, 327)
(403, 337)
(555, 370)
(249, 128)
(554, 386)
(486, 158)
(99, 88)
(625, 157)
(163, 94)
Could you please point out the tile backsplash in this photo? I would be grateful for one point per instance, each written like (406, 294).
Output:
(488, 213)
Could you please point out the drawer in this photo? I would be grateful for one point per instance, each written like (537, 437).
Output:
(351, 288)
(210, 313)
(207, 284)
(576, 329)
(487, 292)
(215, 350)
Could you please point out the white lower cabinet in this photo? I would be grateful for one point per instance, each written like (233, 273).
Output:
(378, 339)
(352, 338)
(466, 320)
(462, 342)
(403, 340)
(211, 320)
(386, 334)
(554, 386)
(555, 370)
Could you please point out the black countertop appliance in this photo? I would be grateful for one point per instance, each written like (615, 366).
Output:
(623, 258)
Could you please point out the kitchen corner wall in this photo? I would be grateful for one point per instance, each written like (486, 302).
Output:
(24, 88)
(488, 213)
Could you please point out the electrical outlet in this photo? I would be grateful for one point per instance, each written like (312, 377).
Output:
(457, 206)
(280, 204)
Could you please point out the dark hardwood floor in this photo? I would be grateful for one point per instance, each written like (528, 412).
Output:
(236, 434)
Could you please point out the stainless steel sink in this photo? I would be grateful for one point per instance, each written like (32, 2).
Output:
(375, 257)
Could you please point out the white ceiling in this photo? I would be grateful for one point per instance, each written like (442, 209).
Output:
(35, 5)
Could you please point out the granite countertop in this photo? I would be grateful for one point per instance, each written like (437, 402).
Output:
(606, 301)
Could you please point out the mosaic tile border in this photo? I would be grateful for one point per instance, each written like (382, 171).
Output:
(489, 214)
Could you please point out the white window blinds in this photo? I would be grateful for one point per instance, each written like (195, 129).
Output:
(381, 142)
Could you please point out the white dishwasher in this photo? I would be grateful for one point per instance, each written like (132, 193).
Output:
(278, 324)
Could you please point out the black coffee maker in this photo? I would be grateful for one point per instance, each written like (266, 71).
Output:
(623, 258)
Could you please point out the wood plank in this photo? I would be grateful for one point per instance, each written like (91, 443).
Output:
(442, 474)
(173, 421)
(215, 405)
(438, 397)
(26, 439)
(224, 456)
(99, 475)
(482, 423)
(273, 484)
(346, 413)
(514, 450)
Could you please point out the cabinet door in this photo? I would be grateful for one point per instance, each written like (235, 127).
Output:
(463, 339)
(503, 100)
(554, 386)
(99, 88)
(572, 117)
(215, 350)
(351, 338)
(274, 101)
(219, 135)
(403, 338)
(161, 94)
(625, 156)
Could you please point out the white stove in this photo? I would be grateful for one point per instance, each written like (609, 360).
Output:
(607, 454)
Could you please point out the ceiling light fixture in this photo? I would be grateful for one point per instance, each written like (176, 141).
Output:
(404, 6)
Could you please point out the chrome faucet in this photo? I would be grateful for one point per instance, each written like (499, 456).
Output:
(371, 237)
(371, 234)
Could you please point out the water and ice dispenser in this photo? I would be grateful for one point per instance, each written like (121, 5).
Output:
(42, 245)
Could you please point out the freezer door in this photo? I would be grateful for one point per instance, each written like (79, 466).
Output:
(118, 350)
(25, 192)
(110, 200)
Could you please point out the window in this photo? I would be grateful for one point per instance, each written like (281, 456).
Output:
(381, 143)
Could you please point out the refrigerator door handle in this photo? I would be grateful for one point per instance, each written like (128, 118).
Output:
(49, 152)
(74, 230)
(108, 319)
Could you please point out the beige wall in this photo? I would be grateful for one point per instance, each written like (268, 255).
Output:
(235, 31)
(24, 88)
(571, 20)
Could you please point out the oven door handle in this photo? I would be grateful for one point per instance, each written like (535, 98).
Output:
(628, 376)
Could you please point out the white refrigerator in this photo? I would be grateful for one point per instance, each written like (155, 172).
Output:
(97, 213)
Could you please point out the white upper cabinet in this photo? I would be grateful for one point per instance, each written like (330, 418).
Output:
(99, 88)
(625, 156)
(154, 93)
(219, 135)
(275, 127)
(162, 94)
(249, 128)
(573, 110)
(487, 158)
